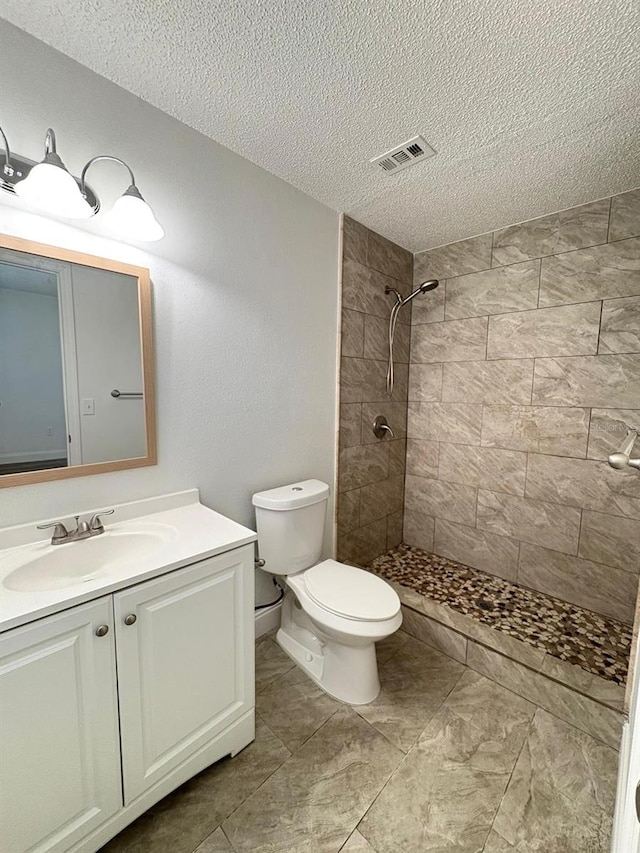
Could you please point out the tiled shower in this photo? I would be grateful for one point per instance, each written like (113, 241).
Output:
(523, 372)
(524, 366)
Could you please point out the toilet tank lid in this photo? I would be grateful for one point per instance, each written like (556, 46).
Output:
(293, 496)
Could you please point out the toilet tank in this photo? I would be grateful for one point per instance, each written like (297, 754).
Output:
(290, 524)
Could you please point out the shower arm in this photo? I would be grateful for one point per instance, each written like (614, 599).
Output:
(622, 458)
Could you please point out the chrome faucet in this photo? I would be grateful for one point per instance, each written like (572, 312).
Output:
(84, 529)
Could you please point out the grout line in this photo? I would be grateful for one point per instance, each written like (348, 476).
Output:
(598, 352)
(609, 218)
(525, 742)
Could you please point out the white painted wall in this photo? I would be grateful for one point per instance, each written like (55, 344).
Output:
(109, 355)
(31, 390)
(245, 292)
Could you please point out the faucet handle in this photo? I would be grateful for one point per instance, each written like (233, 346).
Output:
(60, 532)
(95, 523)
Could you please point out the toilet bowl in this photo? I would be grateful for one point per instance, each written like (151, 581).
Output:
(332, 614)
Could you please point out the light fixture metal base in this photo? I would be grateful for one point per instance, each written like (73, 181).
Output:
(19, 168)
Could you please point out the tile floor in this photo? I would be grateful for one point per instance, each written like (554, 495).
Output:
(598, 644)
(443, 760)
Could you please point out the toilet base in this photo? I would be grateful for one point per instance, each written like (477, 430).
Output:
(348, 673)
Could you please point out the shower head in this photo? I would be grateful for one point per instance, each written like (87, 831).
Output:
(423, 288)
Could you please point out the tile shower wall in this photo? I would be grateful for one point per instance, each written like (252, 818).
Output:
(371, 471)
(522, 373)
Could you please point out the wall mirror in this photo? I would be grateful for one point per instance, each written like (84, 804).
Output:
(76, 364)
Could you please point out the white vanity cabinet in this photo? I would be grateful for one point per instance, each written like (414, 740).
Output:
(84, 751)
(185, 664)
(59, 749)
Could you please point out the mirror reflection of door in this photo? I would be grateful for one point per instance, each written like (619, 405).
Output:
(69, 336)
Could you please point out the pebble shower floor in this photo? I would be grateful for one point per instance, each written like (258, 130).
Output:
(596, 643)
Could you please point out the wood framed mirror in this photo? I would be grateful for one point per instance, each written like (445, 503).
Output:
(77, 391)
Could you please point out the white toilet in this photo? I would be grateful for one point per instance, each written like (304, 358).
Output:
(332, 614)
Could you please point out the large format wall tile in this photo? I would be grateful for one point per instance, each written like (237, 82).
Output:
(625, 216)
(348, 511)
(364, 544)
(422, 457)
(545, 429)
(378, 500)
(360, 466)
(460, 258)
(608, 430)
(363, 289)
(441, 500)
(500, 381)
(605, 724)
(425, 382)
(397, 456)
(375, 382)
(568, 330)
(610, 539)
(352, 334)
(498, 470)
(376, 339)
(389, 258)
(354, 240)
(364, 380)
(604, 381)
(601, 272)
(428, 308)
(418, 530)
(454, 422)
(586, 225)
(555, 527)
(453, 340)
(351, 379)
(496, 555)
(620, 326)
(585, 583)
(495, 291)
(350, 424)
(584, 483)
(395, 523)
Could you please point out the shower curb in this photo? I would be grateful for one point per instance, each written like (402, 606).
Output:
(587, 701)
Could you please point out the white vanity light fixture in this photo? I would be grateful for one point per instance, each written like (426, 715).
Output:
(49, 186)
(130, 216)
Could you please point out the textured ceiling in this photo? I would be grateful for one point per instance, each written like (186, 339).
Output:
(532, 105)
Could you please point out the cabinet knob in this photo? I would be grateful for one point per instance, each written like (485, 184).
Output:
(102, 630)
(130, 619)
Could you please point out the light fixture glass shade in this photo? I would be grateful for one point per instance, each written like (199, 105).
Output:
(132, 217)
(50, 187)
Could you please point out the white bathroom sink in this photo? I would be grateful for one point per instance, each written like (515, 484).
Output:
(60, 566)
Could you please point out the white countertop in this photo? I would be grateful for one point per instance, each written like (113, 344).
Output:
(192, 532)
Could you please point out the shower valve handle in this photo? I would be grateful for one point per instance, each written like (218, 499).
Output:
(382, 428)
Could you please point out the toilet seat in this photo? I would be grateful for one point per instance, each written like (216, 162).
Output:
(350, 592)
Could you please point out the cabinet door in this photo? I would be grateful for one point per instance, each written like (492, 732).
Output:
(59, 749)
(185, 663)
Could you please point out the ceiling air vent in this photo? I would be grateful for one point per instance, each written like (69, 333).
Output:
(410, 152)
